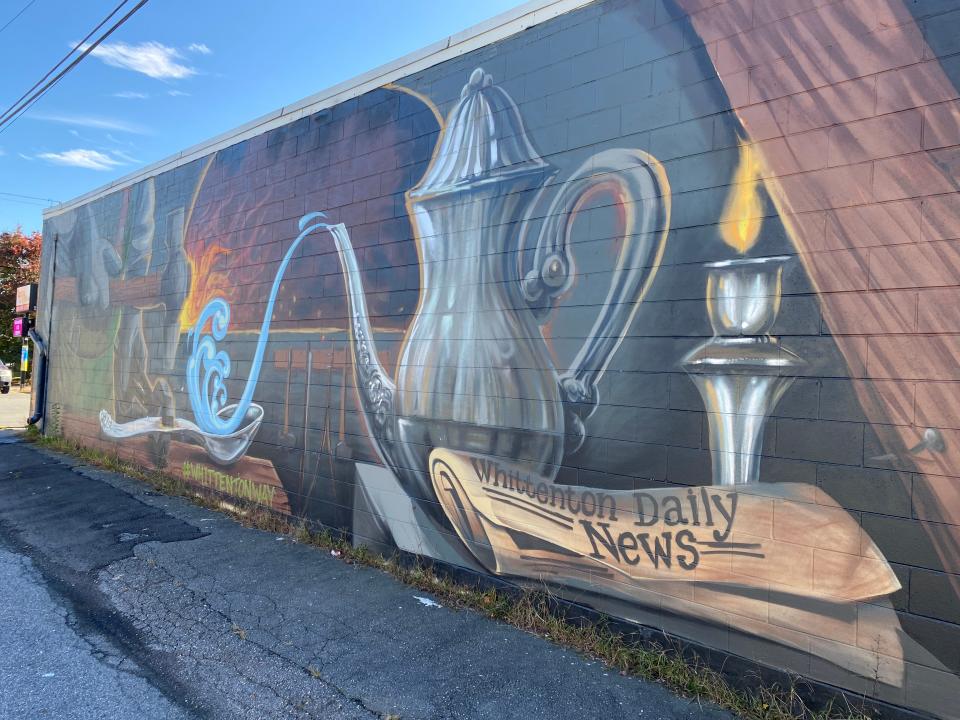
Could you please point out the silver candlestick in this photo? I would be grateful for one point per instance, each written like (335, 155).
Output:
(740, 371)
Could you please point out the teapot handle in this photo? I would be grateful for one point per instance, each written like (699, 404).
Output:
(639, 183)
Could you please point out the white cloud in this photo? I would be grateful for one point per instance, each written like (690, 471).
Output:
(117, 141)
(152, 59)
(200, 48)
(124, 156)
(177, 93)
(90, 159)
(131, 95)
(25, 157)
(91, 121)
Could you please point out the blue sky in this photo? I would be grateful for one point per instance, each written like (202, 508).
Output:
(180, 72)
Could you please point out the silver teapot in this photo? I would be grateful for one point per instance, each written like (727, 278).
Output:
(474, 372)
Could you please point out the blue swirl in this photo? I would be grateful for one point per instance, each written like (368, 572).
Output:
(208, 368)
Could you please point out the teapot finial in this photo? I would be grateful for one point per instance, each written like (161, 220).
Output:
(479, 79)
(483, 141)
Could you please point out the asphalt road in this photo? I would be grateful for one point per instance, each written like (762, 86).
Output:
(49, 670)
(119, 602)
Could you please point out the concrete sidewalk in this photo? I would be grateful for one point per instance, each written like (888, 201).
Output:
(154, 607)
(14, 409)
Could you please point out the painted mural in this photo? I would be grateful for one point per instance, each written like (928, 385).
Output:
(651, 303)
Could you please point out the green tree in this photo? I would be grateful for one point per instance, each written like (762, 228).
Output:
(19, 265)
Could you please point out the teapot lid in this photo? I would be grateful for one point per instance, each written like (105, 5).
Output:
(484, 140)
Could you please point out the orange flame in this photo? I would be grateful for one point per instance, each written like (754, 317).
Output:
(743, 214)
(205, 284)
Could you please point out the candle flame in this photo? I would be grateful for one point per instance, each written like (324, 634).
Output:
(742, 216)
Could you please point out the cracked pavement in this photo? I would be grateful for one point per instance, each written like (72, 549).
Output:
(143, 605)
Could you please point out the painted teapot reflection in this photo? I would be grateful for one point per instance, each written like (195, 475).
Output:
(474, 372)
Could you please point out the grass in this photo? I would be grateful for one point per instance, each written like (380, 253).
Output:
(534, 611)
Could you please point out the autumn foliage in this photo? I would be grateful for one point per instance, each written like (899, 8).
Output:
(19, 265)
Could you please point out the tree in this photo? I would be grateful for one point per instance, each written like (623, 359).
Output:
(19, 265)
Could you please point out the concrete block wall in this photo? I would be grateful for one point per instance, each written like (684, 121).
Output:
(785, 232)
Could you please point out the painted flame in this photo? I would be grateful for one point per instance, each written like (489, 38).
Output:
(205, 284)
(743, 214)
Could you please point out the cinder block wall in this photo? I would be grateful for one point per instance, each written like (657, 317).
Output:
(759, 200)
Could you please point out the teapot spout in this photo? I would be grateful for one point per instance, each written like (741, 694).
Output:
(377, 391)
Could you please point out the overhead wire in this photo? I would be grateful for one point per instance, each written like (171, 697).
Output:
(26, 199)
(29, 203)
(13, 113)
(63, 59)
(14, 18)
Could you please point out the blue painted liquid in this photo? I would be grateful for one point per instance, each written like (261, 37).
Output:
(208, 367)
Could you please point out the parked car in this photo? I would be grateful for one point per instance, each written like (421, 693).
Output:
(6, 378)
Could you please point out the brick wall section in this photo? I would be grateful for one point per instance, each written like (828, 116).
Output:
(852, 106)
(855, 103)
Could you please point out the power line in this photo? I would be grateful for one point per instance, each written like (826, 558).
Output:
(22, 11)
(10, 110)
(28, 197)
(9, 119)
(31, 203)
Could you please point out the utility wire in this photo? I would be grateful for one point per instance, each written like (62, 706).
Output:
(62, 60)
(31, 203)
(22, 11)
(28, 197)
(9, 118)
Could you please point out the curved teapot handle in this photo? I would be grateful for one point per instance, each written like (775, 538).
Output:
(639, 183)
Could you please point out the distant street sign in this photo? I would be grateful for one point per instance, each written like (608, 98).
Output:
(26, 298)
(18, 327)
(24, 358)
